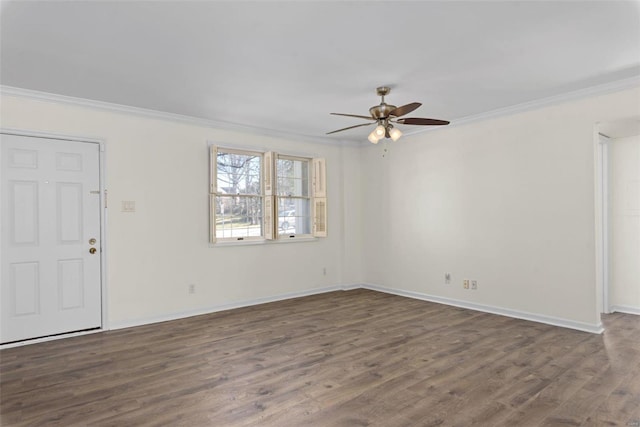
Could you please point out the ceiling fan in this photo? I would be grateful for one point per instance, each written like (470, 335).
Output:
(385, 115)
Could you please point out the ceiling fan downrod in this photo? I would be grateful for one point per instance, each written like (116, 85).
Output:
(383, 110)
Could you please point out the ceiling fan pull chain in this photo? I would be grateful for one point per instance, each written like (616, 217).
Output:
(385, 148)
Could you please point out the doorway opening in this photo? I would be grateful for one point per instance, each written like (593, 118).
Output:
(617, 149)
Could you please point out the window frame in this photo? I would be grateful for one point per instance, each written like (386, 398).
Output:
(316, 180)
(215, 193)
(309, 197)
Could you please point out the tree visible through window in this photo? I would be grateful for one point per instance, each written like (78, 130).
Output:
(239, 199)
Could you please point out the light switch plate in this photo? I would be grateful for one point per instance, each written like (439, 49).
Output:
(128, 206)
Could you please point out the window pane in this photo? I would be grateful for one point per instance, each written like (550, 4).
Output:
(293, 177)
(238, 216)
(238, 173)
(294, 216)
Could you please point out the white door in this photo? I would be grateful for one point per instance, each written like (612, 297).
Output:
(50, 252)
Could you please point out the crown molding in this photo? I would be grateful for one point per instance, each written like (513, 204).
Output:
(162, 115)
(602, 89)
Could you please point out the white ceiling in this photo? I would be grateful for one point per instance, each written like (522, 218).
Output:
(285, 66)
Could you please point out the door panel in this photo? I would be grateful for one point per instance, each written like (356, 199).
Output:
(23, 208)
(50, 209)
(25, 284)
(70, 283)
(69, 207)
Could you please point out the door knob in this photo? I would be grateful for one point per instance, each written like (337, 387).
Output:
(92, 241)
(92, 250)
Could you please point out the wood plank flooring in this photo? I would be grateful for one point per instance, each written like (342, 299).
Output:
(356, 358)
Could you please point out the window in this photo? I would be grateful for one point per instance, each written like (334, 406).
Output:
(293, 195)
(237, 197)
(266, 196)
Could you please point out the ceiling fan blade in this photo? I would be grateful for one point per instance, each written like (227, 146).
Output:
(350, 127)
(422, 122)
(405, 109)
(354, 115)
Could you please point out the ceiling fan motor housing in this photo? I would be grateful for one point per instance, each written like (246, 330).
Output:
(381, 111)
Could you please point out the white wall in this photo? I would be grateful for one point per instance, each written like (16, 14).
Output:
(154, 253)
(508, 202)
(624, 218)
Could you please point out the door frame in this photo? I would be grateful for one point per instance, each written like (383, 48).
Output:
(103, 224)
(601, 143)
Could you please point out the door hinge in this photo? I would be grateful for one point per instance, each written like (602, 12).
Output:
(98, 192)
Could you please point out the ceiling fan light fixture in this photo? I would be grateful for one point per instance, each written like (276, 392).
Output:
(373, 138)
(395, 134)
(384, 114)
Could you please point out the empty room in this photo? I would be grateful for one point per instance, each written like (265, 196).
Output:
(320, 213)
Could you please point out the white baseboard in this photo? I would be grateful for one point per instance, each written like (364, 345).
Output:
(625, 309)
(351, 286)
(230, 306)
(554, 321)
(564, 323)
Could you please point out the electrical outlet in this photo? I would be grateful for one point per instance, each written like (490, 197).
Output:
(474, 284)
(465, 283)
(447, 278)
(192, 288)
(324, 271)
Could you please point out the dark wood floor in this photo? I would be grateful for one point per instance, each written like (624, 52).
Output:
(353, 358)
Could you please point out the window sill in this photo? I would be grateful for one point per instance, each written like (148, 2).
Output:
(282, 241)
